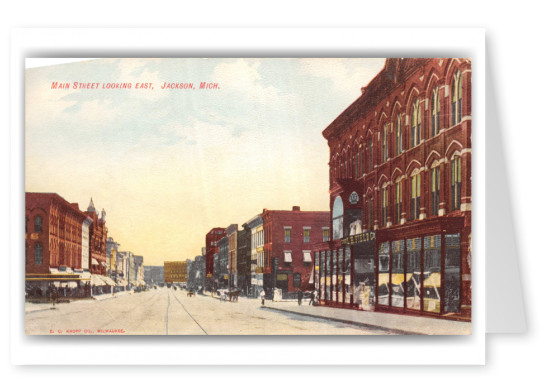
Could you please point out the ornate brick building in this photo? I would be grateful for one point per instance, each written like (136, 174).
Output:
(400, 193)
(98, 240)
(211, 240)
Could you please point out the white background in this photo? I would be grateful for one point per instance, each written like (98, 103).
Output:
(516, 46)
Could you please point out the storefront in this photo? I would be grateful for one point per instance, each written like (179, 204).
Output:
(418, 271)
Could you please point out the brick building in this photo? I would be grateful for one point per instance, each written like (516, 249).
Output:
(56, 244)
(211, 240)
(400, 193)
(289, 237)
(98, 240)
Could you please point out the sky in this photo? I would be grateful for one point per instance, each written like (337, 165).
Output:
(167, 165)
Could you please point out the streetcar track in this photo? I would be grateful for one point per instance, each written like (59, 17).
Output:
(191, 316)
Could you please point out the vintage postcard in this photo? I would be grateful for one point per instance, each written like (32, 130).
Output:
(248, 196)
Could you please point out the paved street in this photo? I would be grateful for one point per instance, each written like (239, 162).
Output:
(168, 312)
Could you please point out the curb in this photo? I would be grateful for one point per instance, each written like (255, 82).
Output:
(351, 322)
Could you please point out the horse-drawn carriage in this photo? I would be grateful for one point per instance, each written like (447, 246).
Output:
(229, 295)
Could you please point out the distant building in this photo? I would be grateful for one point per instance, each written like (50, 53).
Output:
(139, 270)
(211, 248)
(256, 253)
(154, 275)
(244, 259)
(175, 272)
(221, 271)
(98, 240)
(196, 273)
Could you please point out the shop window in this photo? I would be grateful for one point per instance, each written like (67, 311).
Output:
(398, 135)
(287, 235)
(296, 280)
(338, 212)
(432, 273)
(383, 275)
(435, 112)
(38, 224)
(323, 280)
(340, 264)
(452, 273)
(347, 272)
(434, 190)
(397, 280)
(38, 254)
(328, 275)
(384, 209)
(416, 123)
(413, 273)
(415, 203)
(398, 203)
(316, 270)
(455, 180)
(457, 98)
(306, 235)
(334, 276)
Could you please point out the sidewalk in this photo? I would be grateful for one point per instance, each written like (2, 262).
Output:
(392, 322)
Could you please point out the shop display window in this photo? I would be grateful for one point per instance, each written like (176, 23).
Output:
(432, 273)
(340, 260)
(322, 275)
(397, 280)
(413, 274)
(384, 271)
(452, 276)
(328, 275)
(347, 271)
(334, 276)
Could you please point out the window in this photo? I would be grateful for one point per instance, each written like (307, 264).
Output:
(385, 144)
(370, 213)
(384, 210)
(455, 183)
(415, 123)
(325, 234)
(306, 235)
(38, 224)
(457, 97)
(296, 280)
(371, 155)
(287, 235)
(338, 211)
(434, 190)
(415, 196)
(398, 134)
(38, 254)
(398, 204)
(435, 112)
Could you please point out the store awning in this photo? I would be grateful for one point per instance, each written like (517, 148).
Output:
(103, 264)
(311, 280)
(288, 257)
(95, 262)
(97, 280)
(108, 281)
(307, 256)
(397, 278)
(122, 282)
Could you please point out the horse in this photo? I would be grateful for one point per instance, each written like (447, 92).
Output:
(190, 293)
(234, 295)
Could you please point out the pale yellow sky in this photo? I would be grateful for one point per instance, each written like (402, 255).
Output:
(168, 165)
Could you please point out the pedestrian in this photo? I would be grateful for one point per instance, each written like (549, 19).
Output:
(54, 296)
(312, 297)
(262, 294)
(299, 295)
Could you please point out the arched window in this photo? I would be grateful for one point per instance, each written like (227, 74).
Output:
(371, 155)
(434, 190)
(38, 224)
(435, 112)
(415, 123)
(398, 203)
(398, 134)
(415, 205)
(457, 97)
(455, 180)
(384, 209)
(338, 212)
(38, 254)
(385, 144)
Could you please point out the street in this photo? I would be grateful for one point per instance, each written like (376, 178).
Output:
(169, 312)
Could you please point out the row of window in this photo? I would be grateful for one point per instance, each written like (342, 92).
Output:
(354, 164)
(305, 234)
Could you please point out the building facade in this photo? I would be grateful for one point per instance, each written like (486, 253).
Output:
(400, 193)
(231, 233)
(289, 237)
(257, 265)
(175, 272)
(211, 248)
(244, 259)
(154, 275)
(221, 270)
